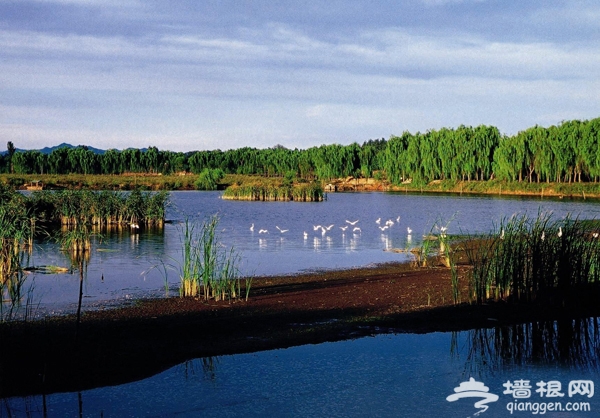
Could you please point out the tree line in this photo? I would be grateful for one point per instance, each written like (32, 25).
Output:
(567, 152)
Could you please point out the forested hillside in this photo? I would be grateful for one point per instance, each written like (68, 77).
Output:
(568, 152)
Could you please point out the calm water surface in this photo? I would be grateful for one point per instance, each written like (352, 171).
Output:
(402, 375)
(389, 375)
(125, 266)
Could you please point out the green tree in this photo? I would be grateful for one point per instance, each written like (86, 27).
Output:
(11, 151)
(208, 179)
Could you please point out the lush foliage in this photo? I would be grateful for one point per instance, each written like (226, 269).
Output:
(208, 179)
(565, 153)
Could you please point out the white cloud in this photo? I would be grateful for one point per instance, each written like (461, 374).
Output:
(274, 83)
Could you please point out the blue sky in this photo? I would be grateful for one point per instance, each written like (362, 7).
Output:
(200, 75)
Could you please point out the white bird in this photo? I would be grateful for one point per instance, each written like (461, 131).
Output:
(315, 227)
(398, 219)
(378, 221)
(544, 235)
(352, 222)
(356, 229)
(305, 235)
(502, 234)
(383, 228)
(283, 231)
(252, 227)
(329, 227)
(409, 230)
(343, 228)
(263, 231)
(443, 228)
(559, 231)
(389, 222)
(134, 225)
(595, 235)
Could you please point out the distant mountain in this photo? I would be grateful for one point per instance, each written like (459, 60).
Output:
(48, 150)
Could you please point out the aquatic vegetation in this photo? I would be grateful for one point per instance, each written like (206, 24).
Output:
(207, 268)
(16, 235)
(70, 207)
(539, 259)
(76, 242)
(270, 190)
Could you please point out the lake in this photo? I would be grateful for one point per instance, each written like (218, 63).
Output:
(126, 265)
(540, 365)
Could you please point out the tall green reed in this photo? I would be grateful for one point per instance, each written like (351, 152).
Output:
(207, 267)
(526, 259)
(16, 237)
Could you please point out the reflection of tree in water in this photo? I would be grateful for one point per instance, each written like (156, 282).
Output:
(208, 365)
(28, 406)
(569, 343)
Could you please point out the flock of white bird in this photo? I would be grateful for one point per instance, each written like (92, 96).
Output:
(350, 225)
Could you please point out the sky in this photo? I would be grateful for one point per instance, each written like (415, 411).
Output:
(185, 75)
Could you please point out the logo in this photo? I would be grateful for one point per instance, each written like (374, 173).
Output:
(474, 389)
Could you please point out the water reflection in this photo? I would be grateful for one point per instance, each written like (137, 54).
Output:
(573, 344)
(387, 375)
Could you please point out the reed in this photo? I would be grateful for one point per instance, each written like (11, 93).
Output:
(70, 207)
(16, 236)
(271, 190)
(76, 241)
(539, 259)
(207, 268)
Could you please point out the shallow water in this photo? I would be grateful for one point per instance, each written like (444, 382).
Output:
(126, 265)
(389, 375)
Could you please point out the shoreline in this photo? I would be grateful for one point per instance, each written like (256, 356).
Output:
(125, 182)
(121, 345)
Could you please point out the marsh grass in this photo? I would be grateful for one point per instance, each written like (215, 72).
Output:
(274, 190)
(76, 242)
(207, 267)
(16, 239)
(70, 207)
(540, 259)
